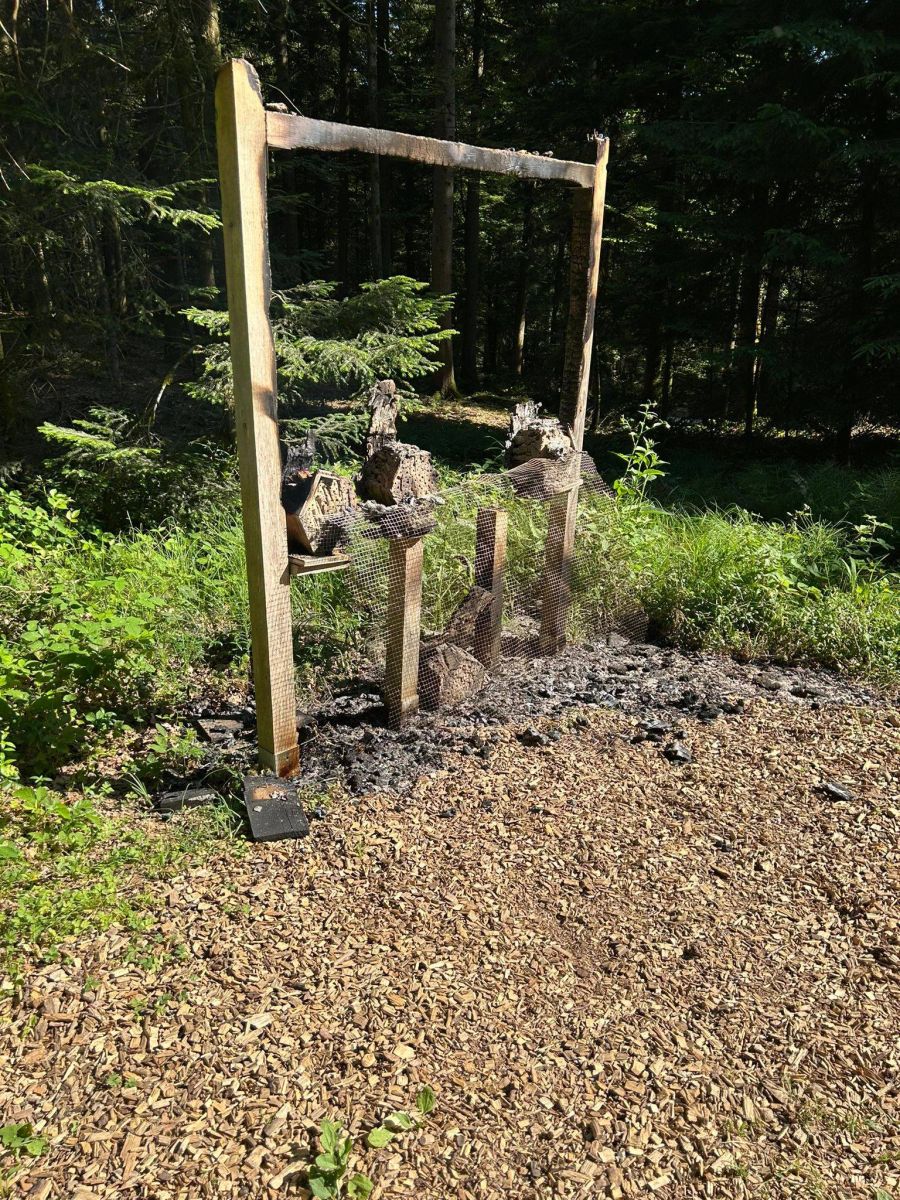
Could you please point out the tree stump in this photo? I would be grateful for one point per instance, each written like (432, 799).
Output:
(532, 436)
(397, 472)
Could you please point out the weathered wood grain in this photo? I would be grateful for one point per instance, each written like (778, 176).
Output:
(490, 563)
(404, 620)
(241, 137)
(289, 131)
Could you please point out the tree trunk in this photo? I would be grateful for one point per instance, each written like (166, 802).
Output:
(522, 284)
(442, 217)
(747, 333)
(196, 55)
(470, 306)
(343, 108)
(768, 325)
(383, 66)
(665, 399)
(473, 212)
(286, 164)
(852, 395)
(650, 388)
(372, 113)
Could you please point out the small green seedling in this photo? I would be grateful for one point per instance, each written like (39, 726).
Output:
(20, 1138)
(401, 1122)
(327, 1174)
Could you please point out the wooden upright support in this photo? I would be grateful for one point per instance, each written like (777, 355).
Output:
(241, 136)
(584, 273)
(490, 562)
(404, 621)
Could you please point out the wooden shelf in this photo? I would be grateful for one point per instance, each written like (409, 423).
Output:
(312, 564)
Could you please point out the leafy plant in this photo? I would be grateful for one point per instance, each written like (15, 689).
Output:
(328, 1176)
(642, 462)
(122, 474)
(400, 1121)
(19, 1138)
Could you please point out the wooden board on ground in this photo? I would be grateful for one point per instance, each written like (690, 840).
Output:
(273, 809)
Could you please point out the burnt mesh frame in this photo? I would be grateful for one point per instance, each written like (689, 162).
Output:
(245, 132)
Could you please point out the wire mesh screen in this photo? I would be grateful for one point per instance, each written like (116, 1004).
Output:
(494, 593)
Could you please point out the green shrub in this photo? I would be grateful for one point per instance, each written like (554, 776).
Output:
(96, 630)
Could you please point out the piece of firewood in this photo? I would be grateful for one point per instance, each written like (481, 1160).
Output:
(384, 407)
(532, 436)
(409, 519)
(311, 504)
(398, 471)
(461, 627)
(447, 675)
(541, 478)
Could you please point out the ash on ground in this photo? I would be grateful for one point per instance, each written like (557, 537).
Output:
(344, 742)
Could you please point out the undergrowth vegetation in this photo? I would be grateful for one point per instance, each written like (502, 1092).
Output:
(123, 596)
(101, 631)
(66, 867)
(106, 634)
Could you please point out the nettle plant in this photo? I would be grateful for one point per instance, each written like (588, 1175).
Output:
(328, 348)
(642, 462)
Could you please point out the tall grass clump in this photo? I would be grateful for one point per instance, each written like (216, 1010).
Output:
(800, 590)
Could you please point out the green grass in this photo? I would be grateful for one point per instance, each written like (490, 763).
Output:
(104, 634)
(67, 867)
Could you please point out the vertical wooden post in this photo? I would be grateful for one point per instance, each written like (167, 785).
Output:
(241, 138)
(490, 562)
(584, 273)
(404, 620)
(562, 512)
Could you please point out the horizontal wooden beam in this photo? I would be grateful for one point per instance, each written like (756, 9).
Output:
(288, 131)
(310, 564)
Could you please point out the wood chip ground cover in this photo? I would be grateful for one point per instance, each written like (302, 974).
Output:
(621, 977)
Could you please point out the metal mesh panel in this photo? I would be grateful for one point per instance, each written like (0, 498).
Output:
(591, 595)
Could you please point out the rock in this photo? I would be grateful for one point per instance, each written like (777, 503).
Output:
(655, 730)
(533, 737)
(707, 713)
(677, 752)
(834, 791)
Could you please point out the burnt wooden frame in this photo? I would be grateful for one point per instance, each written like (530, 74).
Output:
(245, 132)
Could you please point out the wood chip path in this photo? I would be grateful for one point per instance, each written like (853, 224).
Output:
(622, 977)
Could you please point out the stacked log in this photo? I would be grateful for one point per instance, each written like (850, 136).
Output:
(397, 472)
(533, 436)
